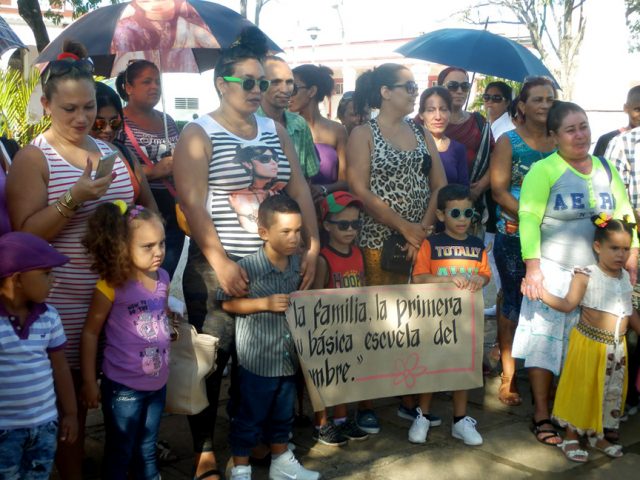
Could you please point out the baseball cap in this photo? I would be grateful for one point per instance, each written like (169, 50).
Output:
(336, 202)
(22, 252)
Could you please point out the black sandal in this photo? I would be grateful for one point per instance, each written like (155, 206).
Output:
(543, 435)
(209, 473)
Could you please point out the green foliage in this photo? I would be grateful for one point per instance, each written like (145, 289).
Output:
(15, 92)
(481, 85)
(80, 7)
(633, 22)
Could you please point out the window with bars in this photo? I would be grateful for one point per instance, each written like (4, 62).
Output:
(186, 103)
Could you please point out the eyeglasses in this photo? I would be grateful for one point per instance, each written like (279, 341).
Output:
(493, 98)
(264, 158)
(453, 86)
(249, 83)
(343, 225)
(411, 87)
(456, 212)
(297, 88)
(100, 124)
(59, 68)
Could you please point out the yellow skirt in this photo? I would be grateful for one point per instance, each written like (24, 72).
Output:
(593, 386)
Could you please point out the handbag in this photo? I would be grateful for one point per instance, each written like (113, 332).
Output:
(180, 217)
(394, 258)
(192, 360)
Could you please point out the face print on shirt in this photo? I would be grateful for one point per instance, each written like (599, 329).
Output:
(151, 361)
(147, 326)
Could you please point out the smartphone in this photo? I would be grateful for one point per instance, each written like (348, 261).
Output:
(105, 165)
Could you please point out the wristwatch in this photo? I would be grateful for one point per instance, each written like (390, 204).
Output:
(69, 202)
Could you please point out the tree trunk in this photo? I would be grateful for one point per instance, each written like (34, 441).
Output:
(243, 8)
(30, 11)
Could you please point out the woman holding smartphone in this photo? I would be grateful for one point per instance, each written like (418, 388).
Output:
(52, 190)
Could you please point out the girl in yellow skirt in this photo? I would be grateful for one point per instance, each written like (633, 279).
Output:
(593, 383)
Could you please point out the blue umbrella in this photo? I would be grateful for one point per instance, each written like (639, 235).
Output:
(178, 35)
(8, 38)
(476, 51)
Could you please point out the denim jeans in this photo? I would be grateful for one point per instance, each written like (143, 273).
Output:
(264, 411)
(28, 453)
(131, 419)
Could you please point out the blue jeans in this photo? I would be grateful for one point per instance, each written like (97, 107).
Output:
(28, 453)
(511, 268)
(131, 419)
(264, 411)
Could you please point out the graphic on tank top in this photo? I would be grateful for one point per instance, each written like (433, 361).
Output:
(261, 166)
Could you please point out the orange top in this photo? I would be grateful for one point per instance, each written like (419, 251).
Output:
(443, 255)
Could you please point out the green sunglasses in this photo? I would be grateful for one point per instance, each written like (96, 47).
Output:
(249, 83)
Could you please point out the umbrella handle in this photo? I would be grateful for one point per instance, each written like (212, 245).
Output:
(164, 109)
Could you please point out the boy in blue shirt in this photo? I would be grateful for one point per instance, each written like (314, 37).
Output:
(267, 360)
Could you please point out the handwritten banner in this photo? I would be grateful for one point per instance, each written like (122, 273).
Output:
(375, 342)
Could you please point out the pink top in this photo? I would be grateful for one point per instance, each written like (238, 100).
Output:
(74, 282)
(137, 336)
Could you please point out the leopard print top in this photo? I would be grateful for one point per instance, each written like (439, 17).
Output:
(397, 177)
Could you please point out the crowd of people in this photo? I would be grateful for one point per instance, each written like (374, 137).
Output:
(278, 198)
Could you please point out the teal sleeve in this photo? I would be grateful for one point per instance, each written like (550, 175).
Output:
(534, 196)
(623, 205)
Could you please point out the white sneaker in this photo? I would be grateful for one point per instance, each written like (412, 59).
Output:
(241, 472)
(419, 428)
(287, 467)
(465, 430)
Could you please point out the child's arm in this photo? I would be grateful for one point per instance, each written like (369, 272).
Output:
(65, 393)
(574, 295)
(634, 321)
(245, 306)
(322, 273)
(98, 313)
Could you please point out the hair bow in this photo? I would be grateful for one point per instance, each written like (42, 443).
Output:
(122, 206)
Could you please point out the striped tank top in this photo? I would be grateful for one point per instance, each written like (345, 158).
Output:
(242, 173)
(74, 282)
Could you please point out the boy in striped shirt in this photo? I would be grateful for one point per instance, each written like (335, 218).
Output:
(33, 367)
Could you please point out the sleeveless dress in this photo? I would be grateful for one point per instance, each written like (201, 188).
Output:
(328, 165)
(74, 282)
(399, 179)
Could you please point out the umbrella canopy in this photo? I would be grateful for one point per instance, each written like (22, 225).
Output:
(177, 35)
(476, 51)
(8, 38)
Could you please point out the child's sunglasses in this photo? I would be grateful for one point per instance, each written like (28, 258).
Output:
(343, 225)
(456, 212)
(100, 124)
(453, 86)
(494, 98)
(249, 83)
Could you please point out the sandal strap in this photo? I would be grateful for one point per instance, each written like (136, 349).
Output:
(209, 473)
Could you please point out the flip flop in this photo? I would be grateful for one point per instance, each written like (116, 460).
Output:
(577, 455)
(539, 432)
(209, 473)
(613, 450)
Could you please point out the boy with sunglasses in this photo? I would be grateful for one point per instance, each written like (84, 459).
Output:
(340, 265)
(455, 257)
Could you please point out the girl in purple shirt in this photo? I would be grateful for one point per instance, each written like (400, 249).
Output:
(127, 247)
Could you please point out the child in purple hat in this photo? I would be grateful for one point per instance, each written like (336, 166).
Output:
(33, 367)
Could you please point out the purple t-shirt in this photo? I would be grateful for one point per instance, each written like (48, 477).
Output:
(454, 161)
(137, 335)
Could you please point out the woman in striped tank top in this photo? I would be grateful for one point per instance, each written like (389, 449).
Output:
(226, 163)
(51, 192)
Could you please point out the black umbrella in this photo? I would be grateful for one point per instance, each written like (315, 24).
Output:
(178, 35)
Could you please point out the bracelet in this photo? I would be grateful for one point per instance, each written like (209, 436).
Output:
(68, 201)
(57, 205)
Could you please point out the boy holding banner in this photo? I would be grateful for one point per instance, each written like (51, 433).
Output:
(340, 265)
(267, 360)
(452, 256)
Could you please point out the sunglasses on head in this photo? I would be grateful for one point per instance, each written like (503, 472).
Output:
(100, 124)
(456, 212)
(264, 158)
(59, 68)
(454, 86)
(248, 84)
(411, 87)
(343, 225)
(493, 98)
